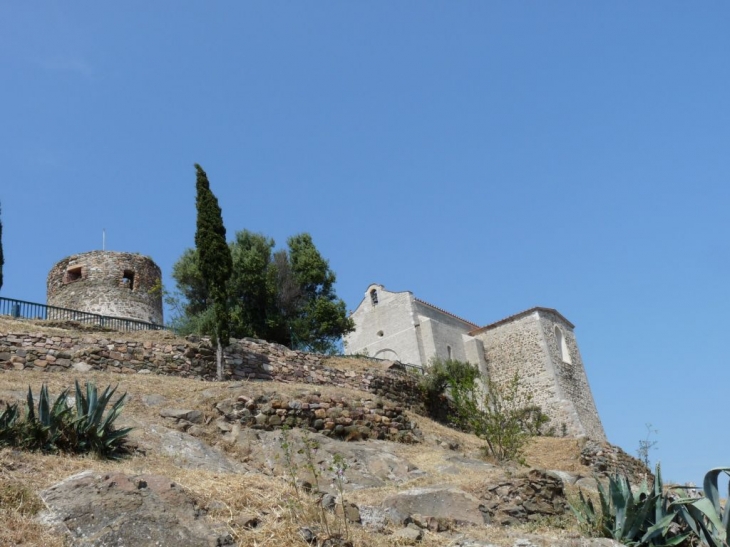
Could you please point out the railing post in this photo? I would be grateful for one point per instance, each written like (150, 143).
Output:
(16, 310)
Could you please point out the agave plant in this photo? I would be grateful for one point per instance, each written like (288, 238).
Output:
(95, 431)
(44, 428)
(705, 516)
(9, 425)
(644, 518)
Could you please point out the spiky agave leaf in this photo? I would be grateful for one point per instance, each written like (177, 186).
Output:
(585, 511)
(9, 425)
(96, 431)
(81, 404)
(44, 407)
(30, 410)
(705, 516)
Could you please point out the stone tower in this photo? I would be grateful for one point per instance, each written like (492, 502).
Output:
(126, 285)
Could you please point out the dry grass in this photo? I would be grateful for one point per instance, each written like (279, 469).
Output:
(557, 453)
(72, 328)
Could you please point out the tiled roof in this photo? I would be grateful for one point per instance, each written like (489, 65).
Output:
(444, 311)
(520, 315)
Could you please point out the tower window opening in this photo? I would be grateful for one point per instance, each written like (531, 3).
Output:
(562, 346)
(128, 280)
(448, 352)
(74, 274)
(374, 297)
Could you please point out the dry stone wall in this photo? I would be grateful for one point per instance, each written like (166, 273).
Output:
(607, 459)
(571, 376)
(195, 358)
(341, 418)
(516, 348)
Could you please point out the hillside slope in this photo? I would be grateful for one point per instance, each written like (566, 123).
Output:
(247, 480)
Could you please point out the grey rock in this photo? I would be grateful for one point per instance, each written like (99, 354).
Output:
(82, 367)
(153, 399)
(410, 534)
(567, 478)
(442, 502)
(192, 453)
(370, 463)
(587, 483)
(246, 520)
(101, 510)
(329, 501)
(192, 416)
(307, 535)
(226, 406)
(374, 518)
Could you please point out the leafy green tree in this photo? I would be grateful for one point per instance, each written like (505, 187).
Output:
(2, 259)
(252, 284)
(214, 261)
(318, 317)
(283, 296)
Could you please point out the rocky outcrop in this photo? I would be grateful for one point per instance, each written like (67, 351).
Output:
(446, 504)
(522, 498)
(189, 452)
(115, 509)
(371, 464)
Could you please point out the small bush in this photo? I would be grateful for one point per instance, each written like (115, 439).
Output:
(435, 383)
(61, 427)
(501, 414)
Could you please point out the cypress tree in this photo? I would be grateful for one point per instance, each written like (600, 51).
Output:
(214, 260)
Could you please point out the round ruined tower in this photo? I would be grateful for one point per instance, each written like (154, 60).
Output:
(109, 283)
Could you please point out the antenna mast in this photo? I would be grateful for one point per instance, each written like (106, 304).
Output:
(103, 239)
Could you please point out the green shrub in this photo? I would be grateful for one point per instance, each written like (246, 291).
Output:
(435, 383)
(59, 426)
(501, 414)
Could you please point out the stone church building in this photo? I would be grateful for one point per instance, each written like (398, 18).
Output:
(539, 344)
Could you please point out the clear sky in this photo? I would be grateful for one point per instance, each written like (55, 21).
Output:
(488, 156)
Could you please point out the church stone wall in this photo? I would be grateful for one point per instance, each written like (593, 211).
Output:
(571, 376)
(440, 332)
(548, 362)
(109, 283)
(386, 329)
(401, 327)
(527, 346)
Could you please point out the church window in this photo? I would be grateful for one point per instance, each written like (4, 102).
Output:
(562, 346)
(374, 297)
(448, 352)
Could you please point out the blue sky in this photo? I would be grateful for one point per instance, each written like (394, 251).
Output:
(488, 156)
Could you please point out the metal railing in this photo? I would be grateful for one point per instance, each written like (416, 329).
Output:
(32, 310)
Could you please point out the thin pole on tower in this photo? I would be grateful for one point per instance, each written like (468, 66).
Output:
(103, 239)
